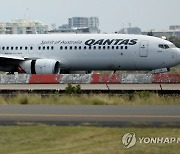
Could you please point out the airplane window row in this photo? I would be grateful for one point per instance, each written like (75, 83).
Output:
(163, 46)
(26, 48)
(94, 47)
(66, 47)
(17, 48)
(45, 48)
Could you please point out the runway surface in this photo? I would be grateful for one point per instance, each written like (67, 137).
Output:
(95, 115)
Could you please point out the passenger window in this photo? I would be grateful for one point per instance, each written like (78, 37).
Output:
(99, 47)
(39, 48)
(126, 47)
(3, 48)
(70, 47)
(79, 47)
(84, 47)
(112, 47)
(21, 48)
(44, 48)
(65, 47)
(26, 48)
(117, 47)
(75, 47)
(108, 47)
(31, 48)
(12, 48)
(121, 47)
(16, 48)
(52, 48)
(94, 47)
(104, 47)
(89, 47)
(61, 47)
(7, 48)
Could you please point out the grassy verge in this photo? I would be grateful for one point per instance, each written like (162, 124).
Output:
(82, 140)
(139, 98)
(175, 69)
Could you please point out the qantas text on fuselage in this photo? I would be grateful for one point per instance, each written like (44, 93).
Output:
(111, 42)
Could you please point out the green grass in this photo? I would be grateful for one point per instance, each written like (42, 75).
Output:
(44, 139)
(175, 69)
(138, 98)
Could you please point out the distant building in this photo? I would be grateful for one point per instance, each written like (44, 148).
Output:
(79, 25)
(174, 27)
(130, 30)
(78, 22)
(173, 30)
(93, 22)
(23, 26)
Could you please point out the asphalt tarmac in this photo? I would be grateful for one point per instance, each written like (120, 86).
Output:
(91, 115)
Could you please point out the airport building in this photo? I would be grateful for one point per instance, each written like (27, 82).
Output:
(79, 25)
(23, 26)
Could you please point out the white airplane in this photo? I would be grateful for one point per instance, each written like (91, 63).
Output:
(66, 53)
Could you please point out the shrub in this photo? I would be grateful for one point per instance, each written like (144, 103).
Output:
(73, 89)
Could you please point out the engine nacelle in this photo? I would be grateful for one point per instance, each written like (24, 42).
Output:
(41, 66)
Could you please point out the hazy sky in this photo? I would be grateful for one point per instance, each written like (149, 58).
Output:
(113, 14)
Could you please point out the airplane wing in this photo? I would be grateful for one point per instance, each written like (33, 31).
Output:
(13, 63)
(11, 57)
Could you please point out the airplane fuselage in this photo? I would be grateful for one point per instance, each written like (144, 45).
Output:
(76, 52)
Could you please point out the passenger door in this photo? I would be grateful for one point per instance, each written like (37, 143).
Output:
(143, 50)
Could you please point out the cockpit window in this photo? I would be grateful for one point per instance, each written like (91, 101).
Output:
(164, 46)
(161, 46)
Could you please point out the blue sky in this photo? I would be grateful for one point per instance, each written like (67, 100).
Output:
(113, 14)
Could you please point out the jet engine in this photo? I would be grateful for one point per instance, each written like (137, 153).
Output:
(40, 66)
